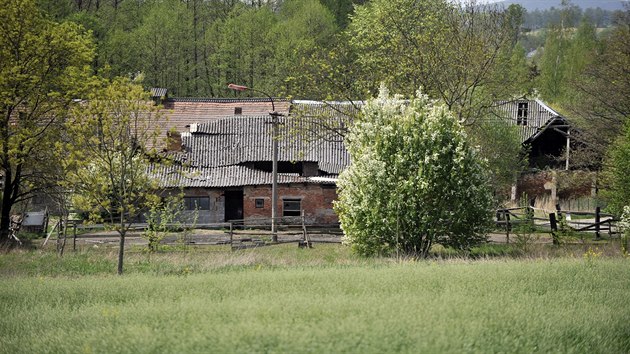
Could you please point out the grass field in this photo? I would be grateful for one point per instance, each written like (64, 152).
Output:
(283, 299)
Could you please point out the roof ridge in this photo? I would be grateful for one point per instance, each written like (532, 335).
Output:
(226, 100)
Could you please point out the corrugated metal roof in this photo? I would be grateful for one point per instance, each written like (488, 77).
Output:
(158, 92)
(537, 118)
(238, 140)
(221, 153)
(222, 177)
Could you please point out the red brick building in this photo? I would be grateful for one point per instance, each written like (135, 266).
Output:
(224, 166)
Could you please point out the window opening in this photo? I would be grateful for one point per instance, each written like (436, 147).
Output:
(197, 203)
(291, 207)
(521, 114)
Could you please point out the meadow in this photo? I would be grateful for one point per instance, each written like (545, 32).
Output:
(284, 299)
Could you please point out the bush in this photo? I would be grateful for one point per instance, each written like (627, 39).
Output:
(414, 180)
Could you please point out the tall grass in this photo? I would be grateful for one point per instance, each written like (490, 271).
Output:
(569, 305)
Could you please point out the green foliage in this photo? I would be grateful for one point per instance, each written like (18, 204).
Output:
(600, 105)
(163, 215)
(110, 140)
(500, 144)
(43, 66)
(566, 55)
(457, 53)
(525, 229)
(414, 180)
(616, 174)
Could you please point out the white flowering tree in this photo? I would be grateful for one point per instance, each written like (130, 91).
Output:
(414, 180)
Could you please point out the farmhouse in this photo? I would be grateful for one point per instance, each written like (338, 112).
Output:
(224, 166)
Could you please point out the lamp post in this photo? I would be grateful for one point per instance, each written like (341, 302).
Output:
(274, 165)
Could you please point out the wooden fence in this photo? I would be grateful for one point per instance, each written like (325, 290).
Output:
(557, 222)
(257, 232)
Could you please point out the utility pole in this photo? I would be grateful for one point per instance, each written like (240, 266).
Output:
(274, 164)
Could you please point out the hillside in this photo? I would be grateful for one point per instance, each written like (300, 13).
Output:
(531, 5)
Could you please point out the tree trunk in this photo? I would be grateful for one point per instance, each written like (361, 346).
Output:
(5, 214)
(121, 251)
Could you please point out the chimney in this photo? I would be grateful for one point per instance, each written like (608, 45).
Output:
(173, 141)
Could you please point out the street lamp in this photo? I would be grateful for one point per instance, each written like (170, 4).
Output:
(274, 169)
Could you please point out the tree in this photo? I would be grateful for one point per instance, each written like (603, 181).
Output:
(303, 26)
(42, 67)
(600, 101)
(164, 53)
(616, 174)
(456, 53)
(112, 138)
(500, 145)
(414, 180)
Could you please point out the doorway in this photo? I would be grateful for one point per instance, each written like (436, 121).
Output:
(233, 205)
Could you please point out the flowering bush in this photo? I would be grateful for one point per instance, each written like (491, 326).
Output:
(414, 180)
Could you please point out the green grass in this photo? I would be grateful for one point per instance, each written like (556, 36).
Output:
(282, 299)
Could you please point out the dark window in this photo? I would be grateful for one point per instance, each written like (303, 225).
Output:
(291, 207)
(238, 110)
(260, 203)
(521, 114)
(197, 203)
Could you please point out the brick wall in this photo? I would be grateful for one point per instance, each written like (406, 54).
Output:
(316, 201)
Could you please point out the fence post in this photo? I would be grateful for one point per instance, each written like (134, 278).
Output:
(74, 236)
(507, 226)
(304, 237)
(554, 228)
(597, 221)
(231, 235)
(559, 211)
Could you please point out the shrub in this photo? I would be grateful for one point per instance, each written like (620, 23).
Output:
(414, 180)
